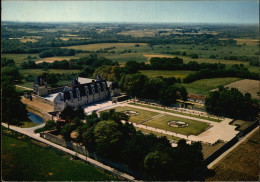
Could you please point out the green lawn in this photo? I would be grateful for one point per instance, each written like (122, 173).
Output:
(204, 86)
(142, 113)
(158, 134)
(172, 111)
(167, 73)
(28, 124)
(25, 161)
(193, 128)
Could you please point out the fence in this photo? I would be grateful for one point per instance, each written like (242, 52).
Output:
(82, 150)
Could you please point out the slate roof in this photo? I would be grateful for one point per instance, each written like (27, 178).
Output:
(80, 88)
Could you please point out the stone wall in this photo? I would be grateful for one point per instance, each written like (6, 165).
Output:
(82, 150)
(37, 97)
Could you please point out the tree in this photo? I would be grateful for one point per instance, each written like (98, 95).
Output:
(231, 103)
(67, 113)
(168, 95)
(66, 132)
(110, 73)
(79, 112)
(183, 93)
(152, 88)
(12, 72)
(13, 110)
(157, 164)
(107, 137)
(133, 84)
(52, 78)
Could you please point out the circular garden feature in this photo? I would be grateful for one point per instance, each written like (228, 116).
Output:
(131, 113)
(177, 124)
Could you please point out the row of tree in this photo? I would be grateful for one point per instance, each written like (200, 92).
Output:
(92, 61)
(231, 103)
(161, 89)
(234, 71)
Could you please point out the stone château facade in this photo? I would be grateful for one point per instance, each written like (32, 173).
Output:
(83, 91)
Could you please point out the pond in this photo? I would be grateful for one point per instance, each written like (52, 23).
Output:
(35, 118)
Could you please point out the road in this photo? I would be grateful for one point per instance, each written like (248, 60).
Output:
(212, 164)
(30, 132)
(23, 87)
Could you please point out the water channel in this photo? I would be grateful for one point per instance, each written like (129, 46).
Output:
(35, 118)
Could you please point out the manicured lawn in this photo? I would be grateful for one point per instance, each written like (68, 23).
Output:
(158, 134)
(242, 164)
(204, 86)
(167, 73)
(193, 128)
(24, 161)
(140, 117)
(185, 114)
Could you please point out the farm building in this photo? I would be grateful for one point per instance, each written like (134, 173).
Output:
(83, 91)
(196, 98)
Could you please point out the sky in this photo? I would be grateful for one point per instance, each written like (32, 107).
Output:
(132, 11)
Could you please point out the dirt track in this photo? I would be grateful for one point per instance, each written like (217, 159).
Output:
(37, 107)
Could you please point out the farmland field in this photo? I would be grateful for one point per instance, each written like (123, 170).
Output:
(193, 128)
(36, 72)
(25, 161)
(167, 73)
(52, 59)
(204, 86)
(246, 85)
(143, 114)
(94, 47)
(241, 164)
(19, 58)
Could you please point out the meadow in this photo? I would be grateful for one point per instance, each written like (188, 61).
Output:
(193, 128)
(246, 85)
(25, 161)
(204, 86)
(167, 73)
(98, 46)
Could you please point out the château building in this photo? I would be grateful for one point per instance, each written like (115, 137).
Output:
(83, 91)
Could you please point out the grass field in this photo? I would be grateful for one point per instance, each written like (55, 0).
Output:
(140, 117)
(36, 72)
(52, 59)
(24, 161)
(193, 128)
(95, 47)
(181, 113)
(246, 85)
(28, 124)
(19, 58)
(242, 164)
(204, 86)
(169, 137)
(167, 73)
